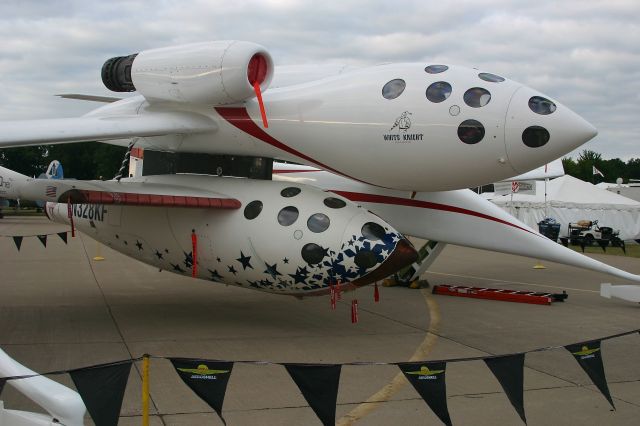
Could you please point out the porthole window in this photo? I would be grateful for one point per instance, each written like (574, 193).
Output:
(334, 203)
(253, 209)
(542, 106)
(477, 97)
(436, 69)
(289, 192)
(492, 78)
(312, 253)
(318, 222)
(471, 131)
(535, 136)
(372, 231)
(438, 91)
(393, 89)
(288, 216)
(365, 259)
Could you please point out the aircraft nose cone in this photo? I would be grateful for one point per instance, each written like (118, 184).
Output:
(539, 130)
(403, 255)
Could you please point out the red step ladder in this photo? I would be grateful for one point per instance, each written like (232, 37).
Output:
(535, 298)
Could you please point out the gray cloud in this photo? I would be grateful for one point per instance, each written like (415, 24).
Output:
(583, 53)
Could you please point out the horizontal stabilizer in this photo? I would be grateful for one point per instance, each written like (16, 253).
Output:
(88, 129)
(92, 98)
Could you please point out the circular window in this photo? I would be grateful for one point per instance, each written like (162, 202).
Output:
(312, 253)
(438, 91)
(535, 136)
(541, 105)
(471, 131)
(492, 78)
(373, 231)
(334, 203)
(393, 89)
(289, 192)
(253, 209)
(477, 97)
(318, 222)
(365, 259)
(436, 69)
(288, 216)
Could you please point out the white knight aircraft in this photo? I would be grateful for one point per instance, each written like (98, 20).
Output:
(385, 151)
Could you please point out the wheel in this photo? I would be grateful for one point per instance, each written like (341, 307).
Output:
(588, 240)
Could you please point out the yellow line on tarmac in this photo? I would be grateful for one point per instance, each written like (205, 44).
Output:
(391, 388)
(513, 282)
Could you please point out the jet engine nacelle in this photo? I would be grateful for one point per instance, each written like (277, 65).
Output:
(210, 73)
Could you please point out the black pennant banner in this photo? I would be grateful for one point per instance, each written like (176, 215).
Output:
(589, 356)
(43, 239)
(63, 236)
(428, 378)
(319, 386)
(102, 390)
(18, 242)
(509, 370)
(208, 379)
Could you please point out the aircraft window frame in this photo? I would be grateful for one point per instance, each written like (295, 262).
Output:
(318, 222)
(541, 105)
(312, 253)
(469, 138)
(391, 90)
(437, 91)
(535, 136)
(334, 203)
(290, 191)
(253, 209)
(435, 69)
(476, 97)
(288, 215)
(491, 78)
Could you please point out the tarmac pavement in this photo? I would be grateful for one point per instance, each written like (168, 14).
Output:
(59, 309)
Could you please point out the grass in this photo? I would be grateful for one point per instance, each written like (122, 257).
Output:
(10, 211)
(633, 250)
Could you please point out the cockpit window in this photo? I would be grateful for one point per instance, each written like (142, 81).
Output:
(477, 97)
(253, 209)
(436, 69)
(439, 91)
(372, 231)
(288, 216)
(393, 89)
(471, 131)
(318, 222)
(492, 78)
(535, 136)
(289, 192)
(542, 106)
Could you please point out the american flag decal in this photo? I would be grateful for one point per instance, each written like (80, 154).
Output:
(50, 191)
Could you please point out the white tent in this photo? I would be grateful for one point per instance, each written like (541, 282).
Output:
(569, 200)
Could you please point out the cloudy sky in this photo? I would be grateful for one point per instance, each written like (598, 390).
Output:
(584, 53)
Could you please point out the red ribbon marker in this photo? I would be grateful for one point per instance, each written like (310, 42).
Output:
(263, 113)
(194, 251)
(338, 291)
(376, 293)
(332, 291)
(354, 311)
(70, 216)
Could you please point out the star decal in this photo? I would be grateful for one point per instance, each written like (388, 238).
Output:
(139, 245)
(245, 261)
(272, 270)
(285, 260)
(92, 223)
(300, 276)
(158, 254)
(117, 237)
(218, 259)
(215, 276)
(188, 259)
(177, 268)
(232, 269)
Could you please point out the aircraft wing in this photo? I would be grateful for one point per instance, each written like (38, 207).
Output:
(130, 192)
(93, 128)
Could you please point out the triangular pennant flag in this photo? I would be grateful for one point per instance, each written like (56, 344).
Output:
(428, 378)
(18, 242)
(102, 390)
(63, 236)
(589, 356)
(208, 379)
(43, 239)
(319, 386)
(509, 370)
